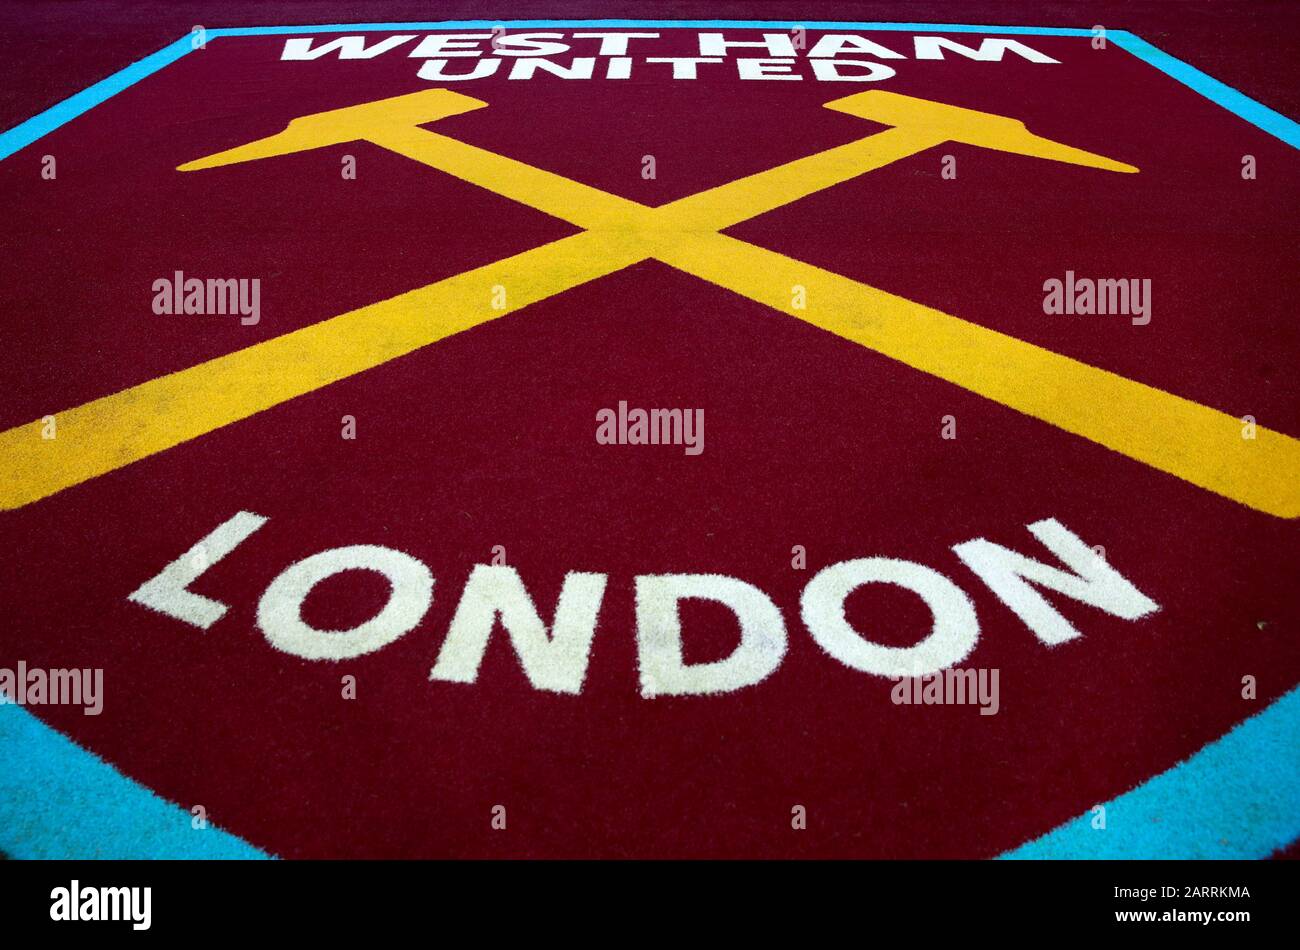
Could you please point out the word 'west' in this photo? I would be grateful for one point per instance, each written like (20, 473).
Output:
(35, 686)
(651, 427)
(183, 294)
(832, 57)
(1083, 295)
(555, 656)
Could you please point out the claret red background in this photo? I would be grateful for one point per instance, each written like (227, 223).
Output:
(487, 439)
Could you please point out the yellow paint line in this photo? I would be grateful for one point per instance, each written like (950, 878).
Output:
(1193, 442)
(117, 430)
(737, 201)
(581, 205)
(1175, 435)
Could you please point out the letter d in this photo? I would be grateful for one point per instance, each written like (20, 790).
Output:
(659, 635)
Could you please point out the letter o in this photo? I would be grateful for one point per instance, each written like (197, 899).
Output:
(279, 612)
(951, 638)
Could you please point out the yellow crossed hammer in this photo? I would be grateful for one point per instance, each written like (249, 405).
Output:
(1196, 443)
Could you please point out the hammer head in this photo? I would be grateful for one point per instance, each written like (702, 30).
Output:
(947, 123)
(348, 124)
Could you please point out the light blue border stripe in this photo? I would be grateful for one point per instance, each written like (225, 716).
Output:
(1256, 113)
(1238, 797)
(58, 801)
(784, 25)
(20, 136)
